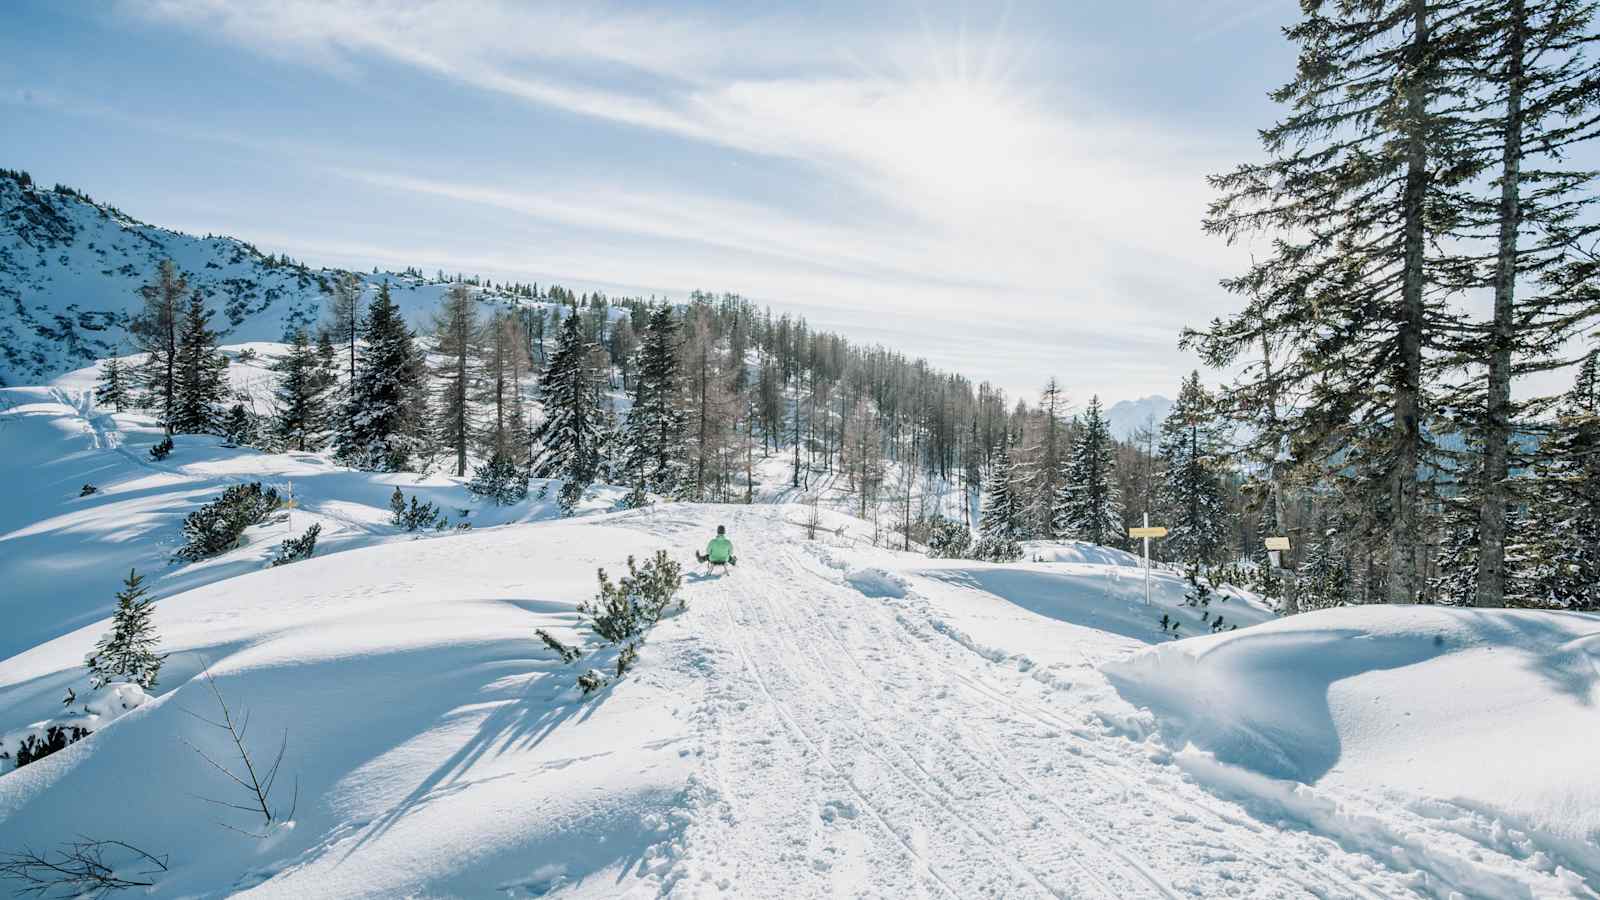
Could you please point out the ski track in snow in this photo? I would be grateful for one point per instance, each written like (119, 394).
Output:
(853, 748)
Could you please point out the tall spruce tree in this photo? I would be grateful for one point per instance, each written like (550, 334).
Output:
(301, 419)
(1560, 549)
(456, 331)
(127, 653)
(1541, 94)
(567, 443)
(654, 433)
(155, 333)
(386, 418)
(200, 373)
(1001, 524)
(1089, 506)
(1190, 495)
(1361, 179)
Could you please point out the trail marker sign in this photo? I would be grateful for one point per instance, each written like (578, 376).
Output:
(1147, 532)
(1277, 543)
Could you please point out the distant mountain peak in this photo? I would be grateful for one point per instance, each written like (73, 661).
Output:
(1128, 416)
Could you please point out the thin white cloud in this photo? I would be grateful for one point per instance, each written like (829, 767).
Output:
(981, 185)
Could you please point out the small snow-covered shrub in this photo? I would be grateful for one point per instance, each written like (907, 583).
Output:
(216, 527)
(591, 681)
(621, 611)
(161, 450)
(296, 549)
(948, 539)
(87, 490)
(500, 481)
(997, 549)
(417, 515)
(626, 659)
(567, 654)
(56, 737)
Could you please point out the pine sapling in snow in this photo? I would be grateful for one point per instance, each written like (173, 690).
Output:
(216, 527)
(128, 652)
(567, 653)
(161, 450)
(296, 549)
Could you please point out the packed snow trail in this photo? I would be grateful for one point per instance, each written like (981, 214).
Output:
(854, 749)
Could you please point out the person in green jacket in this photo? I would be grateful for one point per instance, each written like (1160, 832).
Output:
(720, 551)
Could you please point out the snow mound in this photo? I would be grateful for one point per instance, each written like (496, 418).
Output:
(876, 582)
(1481, 715)
(1078, 552)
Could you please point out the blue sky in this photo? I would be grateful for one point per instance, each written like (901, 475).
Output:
(1014, 191)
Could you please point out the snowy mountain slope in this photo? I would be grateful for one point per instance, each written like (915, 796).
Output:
(1127, 416)
(71, 269)
(62, 555)
(828, 719)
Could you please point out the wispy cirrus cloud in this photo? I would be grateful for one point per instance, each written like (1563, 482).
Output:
(958, 176)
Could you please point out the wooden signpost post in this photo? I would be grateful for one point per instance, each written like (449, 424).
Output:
(1147, 532)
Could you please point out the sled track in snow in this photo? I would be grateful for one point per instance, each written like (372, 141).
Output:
(854, 746)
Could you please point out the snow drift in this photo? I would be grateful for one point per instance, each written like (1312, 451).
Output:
(1483, 717)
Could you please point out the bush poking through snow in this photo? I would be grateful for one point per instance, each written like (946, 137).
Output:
(216, 527)
(296, 549)
(591, 681)
(56, 737)
(81, 869)
(621, 612)
(253, 781)
(626, 659)
(161, 450)
(568, 654)
(1199, 593)
(997, 549)
(417, 516)
(128, 651)
(499, 480)
(948, 539)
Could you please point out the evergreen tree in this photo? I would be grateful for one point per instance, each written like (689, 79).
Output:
(1358, 189)
(1190, 494)
(386, 423)
(1001, 525)
(128, 652)
(654, 434)
(200, 379)
(1560, 551)
(238, 426)
(112, 387)
(1089, 507)
(155, 333)
(567, 442)
(1047, 461)
(1542, 92)
(456, 331)
(1323, 581)
(302, 414)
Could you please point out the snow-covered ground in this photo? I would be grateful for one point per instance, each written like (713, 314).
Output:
(829, 719)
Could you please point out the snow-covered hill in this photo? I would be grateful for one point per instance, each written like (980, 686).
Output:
(71, 269)
(827, 720)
